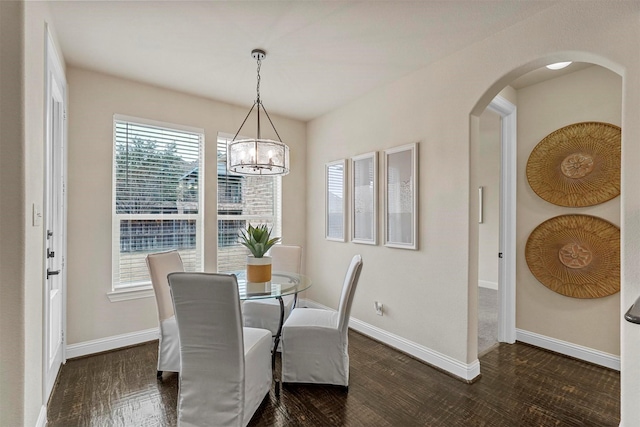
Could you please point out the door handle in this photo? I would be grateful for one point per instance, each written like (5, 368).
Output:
(52, 273)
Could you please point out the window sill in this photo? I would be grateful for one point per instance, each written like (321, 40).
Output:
(131, 293)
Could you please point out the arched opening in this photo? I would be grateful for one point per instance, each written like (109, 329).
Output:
(587, 329)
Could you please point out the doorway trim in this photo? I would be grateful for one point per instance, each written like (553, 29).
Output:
(508, 203)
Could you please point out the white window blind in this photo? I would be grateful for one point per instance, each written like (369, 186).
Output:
(157, 197)
(243, 200)
(335, 201)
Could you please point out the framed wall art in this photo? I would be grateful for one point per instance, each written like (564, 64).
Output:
(401, 197)
(364, 198)
(336, 200)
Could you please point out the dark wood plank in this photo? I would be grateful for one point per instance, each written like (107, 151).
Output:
(521, 385)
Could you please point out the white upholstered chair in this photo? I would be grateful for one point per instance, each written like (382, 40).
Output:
(265, 313)
(226, 369)
(160, 265)
(315, 346)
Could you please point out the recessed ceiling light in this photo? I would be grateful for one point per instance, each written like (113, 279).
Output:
(558, 65)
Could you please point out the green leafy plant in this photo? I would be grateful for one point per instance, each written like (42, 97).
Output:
(258, 239)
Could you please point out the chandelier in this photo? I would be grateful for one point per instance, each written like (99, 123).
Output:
(258, 156)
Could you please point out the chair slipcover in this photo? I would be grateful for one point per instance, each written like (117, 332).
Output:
(160, 265)
(315, 347)
(226, 369)
(265, 313)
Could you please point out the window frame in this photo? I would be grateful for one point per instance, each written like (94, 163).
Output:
(142, 289)
(276, 217)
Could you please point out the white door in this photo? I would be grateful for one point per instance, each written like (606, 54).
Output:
(55, 243)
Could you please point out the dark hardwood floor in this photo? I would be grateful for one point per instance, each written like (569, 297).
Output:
(520, 385)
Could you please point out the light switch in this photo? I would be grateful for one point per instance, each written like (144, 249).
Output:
(37, 215)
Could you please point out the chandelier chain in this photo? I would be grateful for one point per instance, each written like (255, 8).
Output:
(258, 84)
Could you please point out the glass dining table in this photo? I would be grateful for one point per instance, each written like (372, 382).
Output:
(282, 283)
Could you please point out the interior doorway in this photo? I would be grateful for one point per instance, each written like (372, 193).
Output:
(497, 227)
(488, 229)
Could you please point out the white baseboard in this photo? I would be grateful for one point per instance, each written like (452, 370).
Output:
(42, 417)
(569, 349)
(111, 343)
(459, 369)
(487, 284)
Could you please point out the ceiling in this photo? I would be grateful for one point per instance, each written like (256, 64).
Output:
(320, 54)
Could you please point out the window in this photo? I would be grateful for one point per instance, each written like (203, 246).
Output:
(228, 230)
(157, 197)
(243, 200)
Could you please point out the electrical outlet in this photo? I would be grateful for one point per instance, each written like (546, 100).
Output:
(378, 307)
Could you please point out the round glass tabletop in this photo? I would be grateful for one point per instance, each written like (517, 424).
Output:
(282, 283)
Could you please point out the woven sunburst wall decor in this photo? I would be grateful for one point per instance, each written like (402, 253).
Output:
(577, 165)
(576, 255)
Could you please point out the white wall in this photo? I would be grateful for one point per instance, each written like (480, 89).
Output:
(592, 94)
(430, 293)
(93, 100)
(12, 242)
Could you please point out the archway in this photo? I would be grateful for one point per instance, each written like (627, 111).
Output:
(566, 342)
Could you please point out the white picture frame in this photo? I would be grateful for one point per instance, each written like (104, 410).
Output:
(364, 198)
(336, 200)
(401, 197)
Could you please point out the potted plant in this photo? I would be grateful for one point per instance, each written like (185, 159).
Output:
(258, 240)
